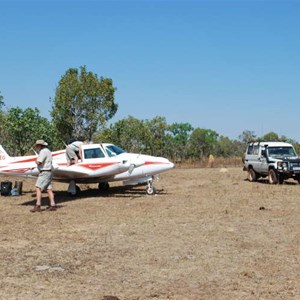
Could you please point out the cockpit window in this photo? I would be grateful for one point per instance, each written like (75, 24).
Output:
(93, 153)
(281, 151)
(113, 150)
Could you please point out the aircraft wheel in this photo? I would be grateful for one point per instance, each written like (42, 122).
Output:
(103, 186)
(150, 190)
(78, 190)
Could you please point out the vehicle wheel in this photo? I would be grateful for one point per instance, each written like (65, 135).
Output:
(103, 186)
(252, 175)
(151, 190)
(272, 177)
(280, 178)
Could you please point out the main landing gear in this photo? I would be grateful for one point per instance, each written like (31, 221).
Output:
(73, 189)
(103, 186)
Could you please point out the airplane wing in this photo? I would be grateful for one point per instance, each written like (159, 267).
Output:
(90, 171)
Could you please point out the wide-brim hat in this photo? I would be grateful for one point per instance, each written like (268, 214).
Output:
(41, 142)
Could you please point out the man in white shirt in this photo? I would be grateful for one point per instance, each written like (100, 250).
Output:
(44, 180)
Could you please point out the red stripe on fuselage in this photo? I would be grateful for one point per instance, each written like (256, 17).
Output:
(25, 160)
(155, 163)
(33, 158)
(17, 170)
(97, 166)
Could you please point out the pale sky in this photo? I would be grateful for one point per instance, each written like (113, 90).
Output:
(223, 65)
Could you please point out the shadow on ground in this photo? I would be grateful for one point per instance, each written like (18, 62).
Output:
(117, 192)
(266, 181)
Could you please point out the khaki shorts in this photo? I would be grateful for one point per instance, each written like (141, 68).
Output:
(44, 181)
(71, 154)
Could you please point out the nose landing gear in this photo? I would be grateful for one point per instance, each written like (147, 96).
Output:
(150, 190)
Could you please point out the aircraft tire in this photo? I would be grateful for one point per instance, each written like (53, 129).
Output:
(103, 186)
(78, 190)
(151, 190)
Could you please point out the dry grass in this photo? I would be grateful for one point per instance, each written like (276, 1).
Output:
(206, 235)
(217, 162)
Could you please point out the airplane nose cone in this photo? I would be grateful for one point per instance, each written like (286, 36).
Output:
(171, 165)
(166, 164)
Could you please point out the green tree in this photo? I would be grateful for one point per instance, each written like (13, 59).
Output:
(156, 135)
(1, 102)
(271, 136)
(177, 140)
(247, 136)
(83, 104)
(134, 135)
(297, 147)
(225, 147)
(129, 133)
(3, 127)
(26, 126)
(202, 142)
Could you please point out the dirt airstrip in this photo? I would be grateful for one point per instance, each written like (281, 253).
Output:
(207, 234)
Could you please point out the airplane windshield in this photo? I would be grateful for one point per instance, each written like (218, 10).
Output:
(93, 153)
(113, 150)
(281, 151)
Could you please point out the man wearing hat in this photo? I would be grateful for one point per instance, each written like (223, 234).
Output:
(44, 165)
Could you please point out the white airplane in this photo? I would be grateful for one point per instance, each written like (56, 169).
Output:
(100, 163)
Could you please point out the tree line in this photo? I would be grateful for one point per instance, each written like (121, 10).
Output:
(83, 105)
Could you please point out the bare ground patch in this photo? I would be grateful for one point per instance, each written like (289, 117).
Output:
(206, 235)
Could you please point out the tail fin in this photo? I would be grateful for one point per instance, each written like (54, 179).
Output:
(3, 155)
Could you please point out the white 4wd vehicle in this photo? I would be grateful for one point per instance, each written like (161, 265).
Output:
(277, 160)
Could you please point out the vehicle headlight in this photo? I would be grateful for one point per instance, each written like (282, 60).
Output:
(282, 166)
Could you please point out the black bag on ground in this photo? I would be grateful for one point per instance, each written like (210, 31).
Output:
(6, 187)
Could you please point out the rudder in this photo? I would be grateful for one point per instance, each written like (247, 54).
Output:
(3, 155)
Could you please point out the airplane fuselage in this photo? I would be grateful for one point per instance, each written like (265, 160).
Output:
(99, 163)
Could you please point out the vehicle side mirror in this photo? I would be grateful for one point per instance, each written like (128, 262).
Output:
(263, 153)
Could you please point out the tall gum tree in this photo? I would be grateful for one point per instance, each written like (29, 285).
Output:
(83, 104)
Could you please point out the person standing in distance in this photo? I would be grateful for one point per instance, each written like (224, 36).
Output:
(44, 180)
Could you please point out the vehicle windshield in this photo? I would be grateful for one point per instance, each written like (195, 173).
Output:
(113, 150)
(281, 151)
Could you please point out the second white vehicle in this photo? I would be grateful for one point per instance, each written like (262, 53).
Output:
(276, 160)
